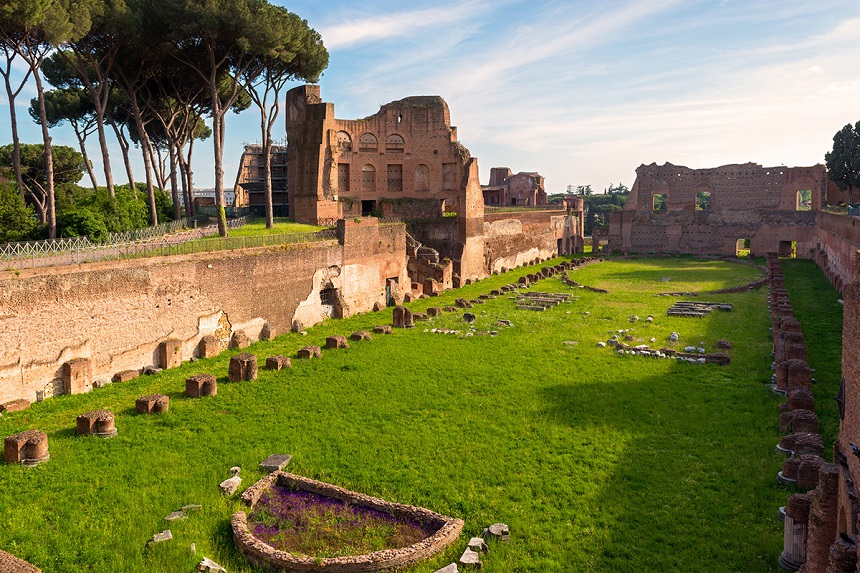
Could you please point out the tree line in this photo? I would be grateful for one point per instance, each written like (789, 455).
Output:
(150, 71)
(597, 207)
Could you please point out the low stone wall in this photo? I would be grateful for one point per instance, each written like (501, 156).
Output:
(68, 329)
(268, 557)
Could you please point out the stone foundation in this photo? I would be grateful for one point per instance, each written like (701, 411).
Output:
(29, 448)
(263, 555)
(98, 423)
(201, 385)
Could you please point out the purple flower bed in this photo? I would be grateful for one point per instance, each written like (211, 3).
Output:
(306, 523)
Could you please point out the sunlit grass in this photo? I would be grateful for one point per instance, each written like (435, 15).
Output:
(597, 462)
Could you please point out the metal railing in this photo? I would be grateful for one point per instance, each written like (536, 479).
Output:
(165, 246)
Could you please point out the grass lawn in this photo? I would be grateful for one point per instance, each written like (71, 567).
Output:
(597, 462)
(282, 226)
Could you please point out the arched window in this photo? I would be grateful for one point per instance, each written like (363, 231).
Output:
(368, 177)
(422, 178)
(394, 144)
(344, 141)
(368, 142)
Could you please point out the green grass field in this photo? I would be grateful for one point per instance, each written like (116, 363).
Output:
(281, 226)
(597, 462)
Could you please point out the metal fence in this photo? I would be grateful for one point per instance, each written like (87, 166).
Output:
(523, 208)
(168, 245)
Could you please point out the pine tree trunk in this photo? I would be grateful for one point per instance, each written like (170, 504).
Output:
(190, 174)
(51, 215)
(125, 148)
(16, 142)
(267, 168)
(174, 186)
(83, 145)
(100, 127)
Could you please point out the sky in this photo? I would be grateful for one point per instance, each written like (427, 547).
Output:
(581, 91)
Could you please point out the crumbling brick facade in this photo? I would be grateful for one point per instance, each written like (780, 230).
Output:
(337, 168)
(523, 189)
(675, 209)
(250, 186)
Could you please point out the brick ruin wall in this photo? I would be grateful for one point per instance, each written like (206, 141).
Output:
(838, 241)
(407, 150)
(747, 201)
(117, 313)
(514, 239)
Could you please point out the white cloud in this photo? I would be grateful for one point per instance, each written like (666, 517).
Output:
(399, 24)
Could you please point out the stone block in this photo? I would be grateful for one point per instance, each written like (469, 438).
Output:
(431, 287)
(384, 329)
(229, 486)
(29, 448)
(310, 352)
(360, 335)
(278, 362)
(209, 347)
(402, 317)
(795, 531)
(336, 341)
(843, 557)
(77, 376)
(242, 367)
(240, 340)
(801, 399)
(15, 405)
(125, 375)
(434, 311)
(96, 423)
(799, 421)
(497, 531)
(275, 462)
(807, 471)
(452, 568)
(471, 560)
(201, 385)
(170, 354)
(152, 404)
(524, 281)
(267, 332)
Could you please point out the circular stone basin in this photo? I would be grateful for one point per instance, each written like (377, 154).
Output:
(440, 530)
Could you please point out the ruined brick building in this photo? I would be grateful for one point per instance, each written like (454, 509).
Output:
(405, 161)
(522, 189)
(250, 186)
(675, 209)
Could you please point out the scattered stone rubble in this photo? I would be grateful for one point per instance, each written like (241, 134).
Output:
(696, 309)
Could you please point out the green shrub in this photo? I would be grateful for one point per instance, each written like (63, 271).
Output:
(82, 222)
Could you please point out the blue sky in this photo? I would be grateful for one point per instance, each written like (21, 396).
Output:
(584, 91)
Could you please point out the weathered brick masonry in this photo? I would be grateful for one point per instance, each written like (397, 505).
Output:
(115, 315)
(743, 202)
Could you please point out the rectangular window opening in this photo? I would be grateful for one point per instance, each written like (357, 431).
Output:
(804, 200)
(703, 200)
(658, 202)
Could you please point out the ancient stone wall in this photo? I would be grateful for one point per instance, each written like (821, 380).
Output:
(674, 209)
(848, 510)
(116, 314)
(838, 241)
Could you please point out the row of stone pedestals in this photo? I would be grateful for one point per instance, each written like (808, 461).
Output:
(809, 518)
